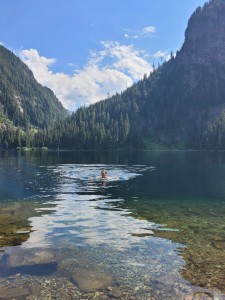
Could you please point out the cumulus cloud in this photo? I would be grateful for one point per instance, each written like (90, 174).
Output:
(39, 63)
(108, 71)
(127, 59)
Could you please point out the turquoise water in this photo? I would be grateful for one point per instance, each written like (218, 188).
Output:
(156, 224)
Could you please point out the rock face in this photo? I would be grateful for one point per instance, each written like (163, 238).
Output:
(205, 35)
(203, 53)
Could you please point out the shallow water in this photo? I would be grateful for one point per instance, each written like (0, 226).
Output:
(155, 225)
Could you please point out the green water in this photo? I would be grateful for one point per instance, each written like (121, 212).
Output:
(157, 224)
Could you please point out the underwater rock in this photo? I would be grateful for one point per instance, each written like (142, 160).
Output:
(36, 256)
(68, 265)
(219, 244)
(89, 280)
(14, 293)
(203, 296)
(15, 227)
(188, 297)
(202, 280)
(197, 260)
(115, 292)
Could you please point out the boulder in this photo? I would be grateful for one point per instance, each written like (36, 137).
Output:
(14, 293)
(90, 280)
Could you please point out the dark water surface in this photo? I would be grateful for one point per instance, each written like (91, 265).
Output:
(155, 227)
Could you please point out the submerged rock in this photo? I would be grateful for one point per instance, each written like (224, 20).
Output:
(14, 293)
(68, 265)
(219, 244)
(115, 292)
(32, 257)
(203, 296)
(89, 280)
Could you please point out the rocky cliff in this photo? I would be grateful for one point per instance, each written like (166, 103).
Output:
(205, 35)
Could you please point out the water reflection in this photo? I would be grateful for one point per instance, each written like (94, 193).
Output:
(134, 225)
(84, 211)
(85, 214)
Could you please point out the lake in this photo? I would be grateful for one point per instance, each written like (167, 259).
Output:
(154, 229)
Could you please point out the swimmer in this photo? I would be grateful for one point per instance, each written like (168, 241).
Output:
(104, 173)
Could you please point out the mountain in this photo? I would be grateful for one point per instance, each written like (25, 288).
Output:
(23, 101)
(180, 105)
(187, 104)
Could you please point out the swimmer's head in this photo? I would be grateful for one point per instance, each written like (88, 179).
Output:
(104, 173)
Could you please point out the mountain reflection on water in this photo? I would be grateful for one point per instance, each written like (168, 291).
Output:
(152, 223)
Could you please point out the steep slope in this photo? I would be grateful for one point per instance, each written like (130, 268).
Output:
(190, 93)
(22, 99)
(180, 105)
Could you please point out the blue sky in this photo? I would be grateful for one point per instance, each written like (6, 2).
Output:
(85, 50)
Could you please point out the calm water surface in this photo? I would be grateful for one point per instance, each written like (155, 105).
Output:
(156, 225)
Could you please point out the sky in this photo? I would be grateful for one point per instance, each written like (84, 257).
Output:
(87, 50)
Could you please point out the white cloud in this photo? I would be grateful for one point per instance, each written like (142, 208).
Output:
(107, 72)
(160, 54)
(139, 33)
(39, 63)
(128, 59)
(148, 29)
